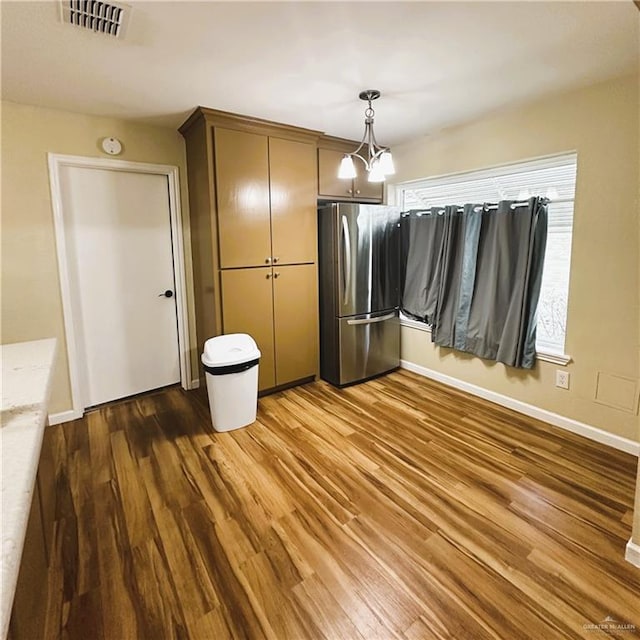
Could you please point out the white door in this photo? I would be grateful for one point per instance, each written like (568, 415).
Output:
(118, 234)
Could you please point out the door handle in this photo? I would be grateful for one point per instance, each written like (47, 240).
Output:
(346, 266)
(167, 294)
(387, 316)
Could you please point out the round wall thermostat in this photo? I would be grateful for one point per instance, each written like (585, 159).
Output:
(112, 146)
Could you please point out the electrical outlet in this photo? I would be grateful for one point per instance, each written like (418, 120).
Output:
(562, 379)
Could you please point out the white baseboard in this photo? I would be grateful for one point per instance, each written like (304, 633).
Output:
(632, 553)
(586, 430)
(68, 416)
(64, 416)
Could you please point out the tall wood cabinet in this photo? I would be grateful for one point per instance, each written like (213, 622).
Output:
(252, 197)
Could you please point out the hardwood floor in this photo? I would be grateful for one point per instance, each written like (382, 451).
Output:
(393, 509)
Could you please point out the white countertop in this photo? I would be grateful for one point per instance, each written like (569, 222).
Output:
(26, 385)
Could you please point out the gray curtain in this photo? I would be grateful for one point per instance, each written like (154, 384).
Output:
(422, 237)
(481, 287)
(457, 258)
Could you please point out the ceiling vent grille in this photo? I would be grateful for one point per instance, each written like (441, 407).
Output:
(109, 18)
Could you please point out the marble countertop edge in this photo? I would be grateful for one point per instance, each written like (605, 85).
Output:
(26, 387)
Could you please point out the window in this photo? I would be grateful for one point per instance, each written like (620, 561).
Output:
(553, 178)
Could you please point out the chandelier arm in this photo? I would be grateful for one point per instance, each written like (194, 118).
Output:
(368, 143)
(375, 142)
(375, 149)
(373, 156)
(365, 143)
(364, 139)
(357, 155)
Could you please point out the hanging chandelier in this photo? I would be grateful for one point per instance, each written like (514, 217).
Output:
(377, 160)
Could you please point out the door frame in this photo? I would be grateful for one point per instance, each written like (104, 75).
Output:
(74, 348)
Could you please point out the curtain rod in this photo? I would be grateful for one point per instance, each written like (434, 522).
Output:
(488, 207)
(491, 207)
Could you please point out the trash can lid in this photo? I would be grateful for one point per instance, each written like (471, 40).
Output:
(233, 348)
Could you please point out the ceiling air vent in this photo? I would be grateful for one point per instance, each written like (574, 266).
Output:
(109, 18)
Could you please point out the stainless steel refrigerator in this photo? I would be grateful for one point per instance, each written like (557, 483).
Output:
(359, 291)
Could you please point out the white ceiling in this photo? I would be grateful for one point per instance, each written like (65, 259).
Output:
(304, 63)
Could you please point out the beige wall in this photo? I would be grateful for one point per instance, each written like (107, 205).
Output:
(601, 124)
(31, 302)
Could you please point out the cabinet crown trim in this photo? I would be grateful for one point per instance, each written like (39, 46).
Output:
(247, 123)
(333, 143)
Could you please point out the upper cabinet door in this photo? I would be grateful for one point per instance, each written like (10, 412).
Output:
(362, 189)
(293, 201)
(242, 186)
(328, 182)
(330, 186)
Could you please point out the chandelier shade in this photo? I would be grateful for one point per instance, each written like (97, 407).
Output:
(347, 168)
(377, 159)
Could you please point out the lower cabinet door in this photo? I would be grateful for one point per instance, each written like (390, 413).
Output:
(295, 307)
(247, 307)
(46, 480)
(30, 601)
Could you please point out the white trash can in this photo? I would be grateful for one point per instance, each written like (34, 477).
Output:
(231, 366)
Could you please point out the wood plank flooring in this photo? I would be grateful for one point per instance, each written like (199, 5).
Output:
(395, 509)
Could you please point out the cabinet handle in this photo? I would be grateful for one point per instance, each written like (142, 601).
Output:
(276, 274)
(268, 260)
(268, 276)
(349, 191)
(358, 191)
(275, 260)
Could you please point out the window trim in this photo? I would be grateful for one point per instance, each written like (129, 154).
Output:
(539, 162)
(396, 195)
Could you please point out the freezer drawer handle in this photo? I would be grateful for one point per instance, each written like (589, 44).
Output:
(346, 239)
(388, 316)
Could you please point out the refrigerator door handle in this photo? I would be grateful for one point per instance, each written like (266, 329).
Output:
(346, 241)
(388, 316)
